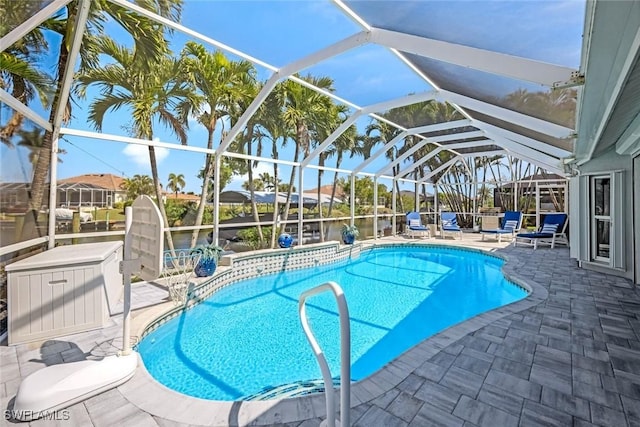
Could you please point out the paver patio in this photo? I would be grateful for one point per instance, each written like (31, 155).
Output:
(568, 355)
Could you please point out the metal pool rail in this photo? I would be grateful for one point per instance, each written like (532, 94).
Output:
(345, 354)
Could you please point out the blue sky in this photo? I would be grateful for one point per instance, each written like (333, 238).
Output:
(279, 32)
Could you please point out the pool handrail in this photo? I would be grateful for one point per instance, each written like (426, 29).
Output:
(345, 353)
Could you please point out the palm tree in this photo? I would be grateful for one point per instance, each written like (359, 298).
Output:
(303, 109)
(270, 121)
(33, 140)
(348, 142)
(379, 132)
(20, 73)
(269, 181)
(150, 96)
(149, 43)
(137, 186)
(220, 84)
(176, 183)
(257, 184)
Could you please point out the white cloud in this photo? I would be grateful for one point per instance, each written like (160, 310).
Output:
(139, 154)
(238, 180)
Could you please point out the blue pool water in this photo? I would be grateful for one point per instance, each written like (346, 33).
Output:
(247, 337)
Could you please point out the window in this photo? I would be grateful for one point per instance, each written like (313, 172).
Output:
(600, 218)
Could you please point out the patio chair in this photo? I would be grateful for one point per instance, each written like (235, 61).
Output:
(551, 231)
(415, 226)
(511, 223)
(449, 224)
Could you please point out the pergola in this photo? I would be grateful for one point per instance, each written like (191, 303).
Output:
(462, 69)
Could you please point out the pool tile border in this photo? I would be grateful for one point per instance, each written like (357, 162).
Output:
(149, 395)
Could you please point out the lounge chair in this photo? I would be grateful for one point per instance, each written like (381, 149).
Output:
(449, 224)
(551, 231)
(415, 226)
(511, 223)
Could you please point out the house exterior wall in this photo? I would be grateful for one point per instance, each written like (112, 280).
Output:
(622, 201)
(636, 208)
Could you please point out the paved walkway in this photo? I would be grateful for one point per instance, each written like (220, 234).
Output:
(567, 355)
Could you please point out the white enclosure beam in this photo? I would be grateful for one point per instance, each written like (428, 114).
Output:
(435, 141)
(12, 102)
(410, 99)
(61, 107)
(464, 156)
(27, 26)
(521, 139)
(331, 138)
(380, 152)
(541, 126)
(441, 126)
(250, 111)
(440, 148)
(286, 71)
(416, 130)
(440, 168)
(330, 51)
(469, 57)
(536, 156)
(131, 140)
(352, 14)
(324, 92)
(169, 23)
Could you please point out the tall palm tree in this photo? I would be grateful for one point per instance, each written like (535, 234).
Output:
(348, 142)
(303, 108)
(220, 84)
(270, 121)
(176, 183)
(159, 96)
(149, 43)
(378, 132)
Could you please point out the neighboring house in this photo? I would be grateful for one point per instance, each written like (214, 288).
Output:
(604, 193)
(183, 197)
(100, 190)
(325, 194)
(14, 197)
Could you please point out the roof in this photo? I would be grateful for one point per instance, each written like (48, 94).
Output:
(182, 196)
(106, 181)
(515, 85)
(244, 196)
(609, 111)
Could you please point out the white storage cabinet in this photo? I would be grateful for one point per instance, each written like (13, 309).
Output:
(64, 290)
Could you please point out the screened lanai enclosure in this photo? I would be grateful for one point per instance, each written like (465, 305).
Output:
(364, 110)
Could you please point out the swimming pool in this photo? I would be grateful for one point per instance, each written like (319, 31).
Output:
(246, 338)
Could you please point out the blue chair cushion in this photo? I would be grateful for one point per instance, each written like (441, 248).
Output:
(534, 235)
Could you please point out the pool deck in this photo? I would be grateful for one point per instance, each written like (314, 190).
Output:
(569, 354)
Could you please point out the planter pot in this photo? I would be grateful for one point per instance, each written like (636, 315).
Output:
(348, 239)
(285, 240)
(205, 268)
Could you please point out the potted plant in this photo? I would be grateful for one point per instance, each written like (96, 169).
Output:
(209, 254)
(349, 233)
(285, 240)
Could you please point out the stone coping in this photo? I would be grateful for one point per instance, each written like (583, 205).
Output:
(156, 399)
